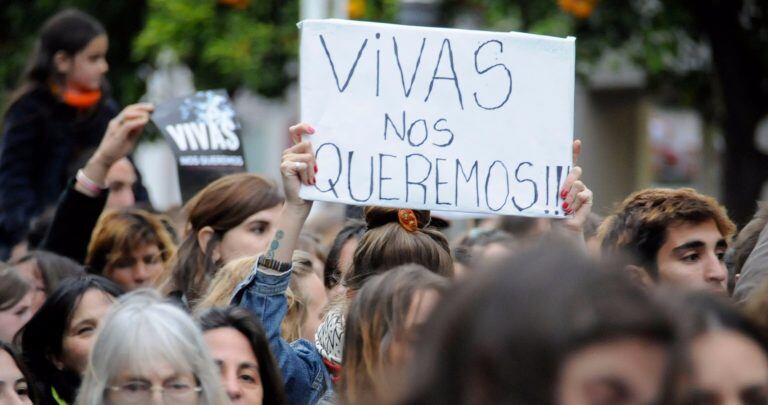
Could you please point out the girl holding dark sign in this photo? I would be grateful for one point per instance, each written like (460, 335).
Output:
(56, 117)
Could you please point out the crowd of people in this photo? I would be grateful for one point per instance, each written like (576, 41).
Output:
(103, 300)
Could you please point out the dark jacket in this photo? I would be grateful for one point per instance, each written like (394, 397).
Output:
(42, 142)
(75, 218)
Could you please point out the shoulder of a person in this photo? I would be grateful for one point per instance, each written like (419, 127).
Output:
(35, 102)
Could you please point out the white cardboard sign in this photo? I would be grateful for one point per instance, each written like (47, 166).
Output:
(435, 118)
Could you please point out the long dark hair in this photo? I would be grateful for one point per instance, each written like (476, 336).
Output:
(68, 31)
(245, 323)
(42, 337)
(32, 390)
(503, 336)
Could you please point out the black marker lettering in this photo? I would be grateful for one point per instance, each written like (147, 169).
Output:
(410, 132)
(454, 78)
(333, 67)
(331, 184)
(533, 183)
(388, 121)
(488, 181)
(499, 65)
(419, 183)
(450, 133)
(472, 172)
(438, 182)
(407, 92)
(349, 179)
(382, 178)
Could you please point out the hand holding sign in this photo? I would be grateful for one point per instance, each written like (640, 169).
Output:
(118, 142)
(298, 166)
(577, 197)
(123, 132)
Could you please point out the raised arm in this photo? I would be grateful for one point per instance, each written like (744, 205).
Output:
(297, 167)
(577, 199)
(81, 204)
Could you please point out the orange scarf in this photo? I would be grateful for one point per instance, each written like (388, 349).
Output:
(80, 99)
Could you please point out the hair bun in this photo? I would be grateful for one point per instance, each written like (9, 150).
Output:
(379, 216)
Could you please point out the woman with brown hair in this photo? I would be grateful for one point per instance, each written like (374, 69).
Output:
(130, 247)
(382, 321)
(230, 218)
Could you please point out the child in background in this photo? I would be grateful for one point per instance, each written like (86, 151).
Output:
(59, 114)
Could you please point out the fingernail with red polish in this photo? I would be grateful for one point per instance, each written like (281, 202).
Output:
(311, 130)
(563, 193)
(565, 206)
(315, 168)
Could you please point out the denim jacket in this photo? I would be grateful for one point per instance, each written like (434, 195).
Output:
(304, 374)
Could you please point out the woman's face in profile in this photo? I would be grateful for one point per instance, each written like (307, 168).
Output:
(626, 371)
(728, 368)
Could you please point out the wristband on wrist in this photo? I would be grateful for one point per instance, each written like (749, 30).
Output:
(273, 264)
(89, 184)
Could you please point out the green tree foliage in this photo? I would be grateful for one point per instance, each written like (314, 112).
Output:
(225, 46)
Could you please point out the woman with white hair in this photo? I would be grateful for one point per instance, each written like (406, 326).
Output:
(150, 352)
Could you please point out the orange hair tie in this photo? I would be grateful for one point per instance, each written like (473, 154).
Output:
(408, 219)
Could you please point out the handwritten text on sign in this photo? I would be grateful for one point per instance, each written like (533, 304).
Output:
(437, 118)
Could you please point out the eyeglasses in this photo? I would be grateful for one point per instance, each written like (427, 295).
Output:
(140, 392)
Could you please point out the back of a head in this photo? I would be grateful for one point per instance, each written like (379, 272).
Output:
(221, 205)
(53, 268)
(376, 320)
(142, 333)
(509, 329)
(246, 323)
(638, 225)
(396, 237)
(13, 287)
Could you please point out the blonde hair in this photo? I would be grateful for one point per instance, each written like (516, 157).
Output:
(298, 302)
(222, 287)
(224, 283)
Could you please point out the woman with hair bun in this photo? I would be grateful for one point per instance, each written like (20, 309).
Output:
(394, 237)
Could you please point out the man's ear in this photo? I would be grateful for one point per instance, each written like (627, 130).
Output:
(640, 276)
(62, 62)
(204, 237)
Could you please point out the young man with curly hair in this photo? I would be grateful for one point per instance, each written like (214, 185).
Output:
(675, 237)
